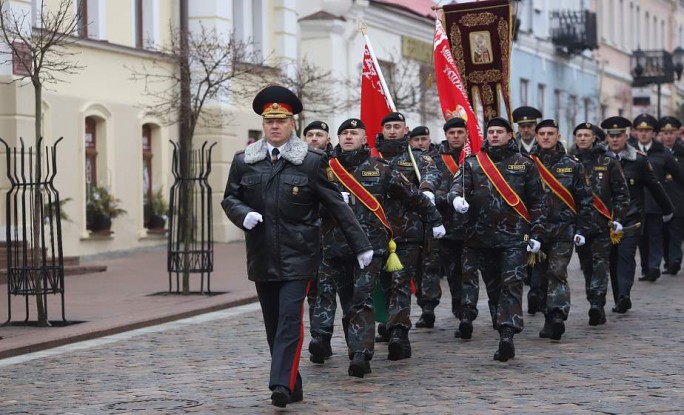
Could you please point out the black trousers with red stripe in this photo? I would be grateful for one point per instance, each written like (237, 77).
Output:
(282, 305)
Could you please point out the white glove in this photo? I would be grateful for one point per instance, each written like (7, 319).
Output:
(533, 246)
(251, 220)
(667, 218)
(617, 227)
(460, 204)
(438, 232)
(365, 258)
(345, 196)
(579, 240)
(430, 196)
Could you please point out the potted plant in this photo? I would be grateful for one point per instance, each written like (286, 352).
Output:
(156, 211)
(101, 208)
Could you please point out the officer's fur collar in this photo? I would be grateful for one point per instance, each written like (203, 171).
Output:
(294, 151)
(628, 153)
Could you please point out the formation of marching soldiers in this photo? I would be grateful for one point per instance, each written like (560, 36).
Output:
(512, 213)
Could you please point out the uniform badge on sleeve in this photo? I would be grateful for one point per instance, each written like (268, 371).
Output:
(330, 174)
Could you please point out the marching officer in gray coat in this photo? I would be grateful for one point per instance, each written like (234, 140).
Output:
(274, 190)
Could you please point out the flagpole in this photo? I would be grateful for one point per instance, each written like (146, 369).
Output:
(364, 30)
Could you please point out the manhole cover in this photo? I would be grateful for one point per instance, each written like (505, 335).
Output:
(158, 404)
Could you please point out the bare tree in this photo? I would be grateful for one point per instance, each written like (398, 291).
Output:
(315, 87)
(197, 69)
(42, 54)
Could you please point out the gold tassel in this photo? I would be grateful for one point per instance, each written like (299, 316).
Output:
(615, 237)
(393, 263)
(534, 259)
(428, 81)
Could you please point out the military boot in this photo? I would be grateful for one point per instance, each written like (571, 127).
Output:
(557, 325)
(427, 318)
(320, 349)
(383, 335)
(465, 327)
(506, 347)
(359, 365)
(545, 332)
(597, 315)
(399, 345)
(533, 303)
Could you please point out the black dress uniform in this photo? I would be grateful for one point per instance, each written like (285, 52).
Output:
(526, 116)
(283, 192)
(673, 231)
(639, 175)
(664, 167)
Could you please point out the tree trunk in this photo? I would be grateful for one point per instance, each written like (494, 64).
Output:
(36, 209)
(186, 131)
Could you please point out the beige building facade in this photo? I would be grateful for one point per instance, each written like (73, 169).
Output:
(100, 111)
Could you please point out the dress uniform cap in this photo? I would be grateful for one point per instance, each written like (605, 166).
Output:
(546, 123)
(276, 101)
(584, 126)
(420, 130)
(645, 121)
(500, 122)
(349, 124)
(668, 123)
(615, 125)
(316, 125)
(393, 116)
(524, 114)
(455, 122)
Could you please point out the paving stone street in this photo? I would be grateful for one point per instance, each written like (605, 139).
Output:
(218, 364)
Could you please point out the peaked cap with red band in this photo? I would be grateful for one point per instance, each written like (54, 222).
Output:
(276, 101)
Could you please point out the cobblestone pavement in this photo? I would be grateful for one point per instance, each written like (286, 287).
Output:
(218, 364)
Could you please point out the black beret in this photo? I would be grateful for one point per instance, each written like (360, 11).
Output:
(349, 124)
(455, 122)
(598, 131)
(500, 122)
(615, 125)
(526, 114)
(668, 123)
(646, 121)
(393, 116)
(546, 123)
(276, 101)
(420, 130)
(316, 125)
(584, 126)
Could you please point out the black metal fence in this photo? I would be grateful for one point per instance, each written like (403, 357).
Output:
(35, 262)
(191, 249)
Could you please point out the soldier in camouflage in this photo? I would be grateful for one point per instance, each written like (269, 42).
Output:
(355, 286)
(498, 237)
(609, 189)
(428, 273)
(569, 204)
(322, 295)
(407, 226)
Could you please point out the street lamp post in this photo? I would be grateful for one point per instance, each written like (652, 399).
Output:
(656, 67)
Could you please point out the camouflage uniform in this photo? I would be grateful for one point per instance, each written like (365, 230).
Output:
(562, 225)
(407, 227)
(495, 233)
(608, 182)
(450, 247)
(355, 286)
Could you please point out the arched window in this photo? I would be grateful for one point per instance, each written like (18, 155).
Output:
(90, 154)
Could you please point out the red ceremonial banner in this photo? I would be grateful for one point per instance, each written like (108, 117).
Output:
(480, 37)
(452, 93)
(374, 103)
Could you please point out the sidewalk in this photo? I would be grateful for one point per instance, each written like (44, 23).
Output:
(123, 298)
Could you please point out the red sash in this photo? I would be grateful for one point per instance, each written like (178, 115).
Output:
(601, 207)
(501, 186)
(450, 163)
(556, 187)
(359, 192)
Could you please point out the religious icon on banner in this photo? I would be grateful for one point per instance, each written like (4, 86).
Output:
(481, 47)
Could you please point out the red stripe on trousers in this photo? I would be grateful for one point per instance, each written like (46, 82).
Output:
(295, 363)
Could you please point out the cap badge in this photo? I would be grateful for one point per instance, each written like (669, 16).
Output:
(323, 125)
(353, 123)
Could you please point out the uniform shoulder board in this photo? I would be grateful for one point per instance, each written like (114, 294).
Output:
(316, 151)
(237, 153)
(380, 160)
(641, 153)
